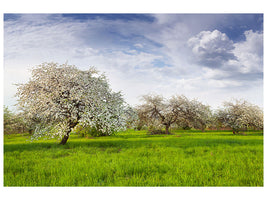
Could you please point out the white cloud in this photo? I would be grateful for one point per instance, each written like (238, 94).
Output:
(250, 52)
(211, 49)
(221, 58)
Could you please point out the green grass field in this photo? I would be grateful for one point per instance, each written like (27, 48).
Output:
(133, 158)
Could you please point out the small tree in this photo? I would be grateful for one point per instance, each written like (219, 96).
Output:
(156, 110)
(59, 97)
(240, 115)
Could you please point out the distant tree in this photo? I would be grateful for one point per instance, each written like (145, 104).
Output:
(156, 109)
(240, 115)
(9, 121)
(59, 97)
(13, 123)
(191, 113)
(131, 116)
(178, 109)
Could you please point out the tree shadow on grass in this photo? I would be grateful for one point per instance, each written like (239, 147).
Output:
(150, 142)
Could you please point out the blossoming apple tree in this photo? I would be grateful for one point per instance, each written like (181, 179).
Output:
(159, 111)
(60, 97)
(156, 111)
(192, 111)
(240, 115)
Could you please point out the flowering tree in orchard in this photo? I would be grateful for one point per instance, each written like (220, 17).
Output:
(60, 97)
(240, 114)
(193, 112)
(157, 110)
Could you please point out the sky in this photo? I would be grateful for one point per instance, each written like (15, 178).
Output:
(210, 57)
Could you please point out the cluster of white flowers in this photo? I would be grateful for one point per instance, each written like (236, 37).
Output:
(240, 114)
(62, 96)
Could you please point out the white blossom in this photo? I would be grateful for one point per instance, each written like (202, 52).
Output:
(62, 96)
(240, 114)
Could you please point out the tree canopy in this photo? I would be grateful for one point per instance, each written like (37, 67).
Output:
(157, 111)
(59, 97)
(240, 114)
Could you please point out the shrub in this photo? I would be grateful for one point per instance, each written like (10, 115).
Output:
(90, 131)
(157, 132)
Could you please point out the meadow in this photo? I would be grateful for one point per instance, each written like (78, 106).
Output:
(134, 158)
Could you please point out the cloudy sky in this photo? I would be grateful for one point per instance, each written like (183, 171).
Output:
(211, 57)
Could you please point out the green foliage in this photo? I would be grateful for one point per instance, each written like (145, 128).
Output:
(133, 158)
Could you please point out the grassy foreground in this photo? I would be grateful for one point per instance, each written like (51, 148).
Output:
(133, 158)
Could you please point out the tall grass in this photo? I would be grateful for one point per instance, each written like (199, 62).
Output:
(133, 158)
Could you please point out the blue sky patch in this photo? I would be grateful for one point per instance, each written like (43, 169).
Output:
(114, 16)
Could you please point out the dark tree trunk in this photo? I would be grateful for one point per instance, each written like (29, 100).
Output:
(30, 131)
(66, 136)
(167, 129)
(64, 139)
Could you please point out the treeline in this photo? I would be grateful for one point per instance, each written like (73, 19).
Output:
(158, 115)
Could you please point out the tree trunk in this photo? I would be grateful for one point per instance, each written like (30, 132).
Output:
(64, 139)
(167, 129)
(66, 136)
